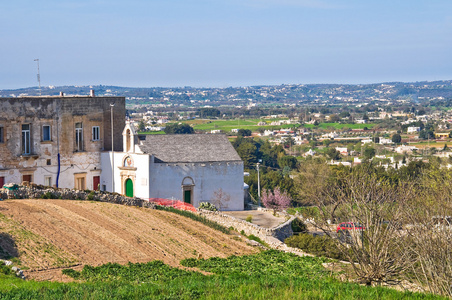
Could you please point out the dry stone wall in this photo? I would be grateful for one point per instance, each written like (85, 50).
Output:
(40, 192)
(280, 232)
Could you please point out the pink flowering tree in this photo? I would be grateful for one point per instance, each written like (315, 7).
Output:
(277, 201)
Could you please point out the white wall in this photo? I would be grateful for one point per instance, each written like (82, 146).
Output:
(140, 162)
(166, 181)
(141, 185)
(162, 180)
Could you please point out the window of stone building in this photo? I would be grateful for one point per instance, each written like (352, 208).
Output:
(78, 137)
(2, 132)
(46, 133)
(26, 139)
(96, 133)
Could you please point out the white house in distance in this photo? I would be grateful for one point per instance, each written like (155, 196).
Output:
(188, 167)
(413, 129)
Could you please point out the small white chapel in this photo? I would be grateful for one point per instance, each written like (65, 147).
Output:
(193, 168)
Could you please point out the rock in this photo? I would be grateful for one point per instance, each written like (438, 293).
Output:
(256, 244)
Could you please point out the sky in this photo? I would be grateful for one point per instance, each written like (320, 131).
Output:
(221, 43)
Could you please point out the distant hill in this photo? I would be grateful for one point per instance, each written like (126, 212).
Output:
(286, 93)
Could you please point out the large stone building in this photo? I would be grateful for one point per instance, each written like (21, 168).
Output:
(57, 140)
(190, 167)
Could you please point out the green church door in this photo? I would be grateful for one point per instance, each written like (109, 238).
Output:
(129, 188)
(187, 196)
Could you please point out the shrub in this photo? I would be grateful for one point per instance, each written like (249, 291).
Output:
(309, 212)
(249, 218)
(48, 195)
(320, 245)
(207, 206)
(90, 196)
(71, 273)
(6, 270)
(298, 226)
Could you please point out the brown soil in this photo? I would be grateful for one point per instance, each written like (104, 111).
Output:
(49, 235)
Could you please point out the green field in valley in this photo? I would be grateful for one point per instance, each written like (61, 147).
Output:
(251, 124)
(228, 125)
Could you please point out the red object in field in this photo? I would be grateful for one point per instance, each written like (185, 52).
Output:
(173, 203)
(349, 226)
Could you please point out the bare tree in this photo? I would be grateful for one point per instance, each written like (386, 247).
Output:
(430, 231)
(373, 210)
(220, 199)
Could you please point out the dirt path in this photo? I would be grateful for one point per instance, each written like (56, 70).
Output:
(53, 234)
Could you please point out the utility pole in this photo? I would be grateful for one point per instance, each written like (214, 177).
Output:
(258, 186)
(39, 77)
(112, 105)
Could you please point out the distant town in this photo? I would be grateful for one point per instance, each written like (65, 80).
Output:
(391, 123)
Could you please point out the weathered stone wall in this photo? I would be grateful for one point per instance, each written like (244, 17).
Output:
(280, 232)
(39, 192)
(61, 114)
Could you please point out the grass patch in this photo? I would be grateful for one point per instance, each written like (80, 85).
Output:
(228, 125)
(252, 237)
(266, 275)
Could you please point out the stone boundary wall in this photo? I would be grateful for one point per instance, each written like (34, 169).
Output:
(41, 192)
(280, 232)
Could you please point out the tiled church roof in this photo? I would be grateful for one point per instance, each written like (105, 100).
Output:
(189, 148)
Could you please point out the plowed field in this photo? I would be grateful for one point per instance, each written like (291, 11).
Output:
(48, 235)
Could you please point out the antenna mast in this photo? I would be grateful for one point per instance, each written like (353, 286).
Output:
(39, 78)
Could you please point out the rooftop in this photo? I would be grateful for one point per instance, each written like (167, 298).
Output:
(189, 148)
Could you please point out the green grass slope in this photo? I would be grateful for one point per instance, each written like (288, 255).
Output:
(267, 275)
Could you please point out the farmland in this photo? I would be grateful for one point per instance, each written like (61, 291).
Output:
(228, 125)
(44, 236)
(251, 124)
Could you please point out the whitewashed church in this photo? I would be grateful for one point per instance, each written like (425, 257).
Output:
(193, 168)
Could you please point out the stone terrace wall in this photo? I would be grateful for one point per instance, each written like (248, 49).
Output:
(280, 232)
(40, 192)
